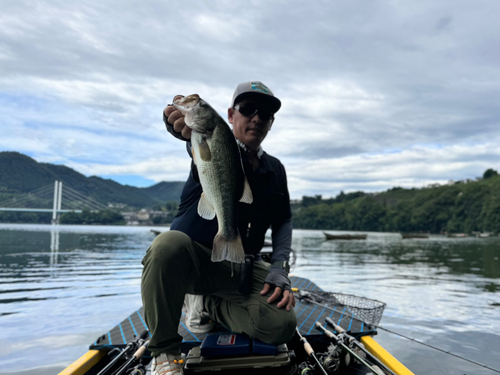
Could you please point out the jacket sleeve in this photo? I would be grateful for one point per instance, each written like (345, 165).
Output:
(282, 242)
(282, 228)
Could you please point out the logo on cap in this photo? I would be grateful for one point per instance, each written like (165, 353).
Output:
(259, 86)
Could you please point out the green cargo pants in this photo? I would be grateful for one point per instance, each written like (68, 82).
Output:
(175, 265)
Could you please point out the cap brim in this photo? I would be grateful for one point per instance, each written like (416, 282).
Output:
(273, 102)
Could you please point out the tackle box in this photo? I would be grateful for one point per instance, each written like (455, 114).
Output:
(231, 351)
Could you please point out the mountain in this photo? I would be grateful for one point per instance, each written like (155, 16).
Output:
(21, 174)
(165, 191)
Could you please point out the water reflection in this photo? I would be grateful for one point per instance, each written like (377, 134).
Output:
(477, 256)
(74, 283)
(54, 245)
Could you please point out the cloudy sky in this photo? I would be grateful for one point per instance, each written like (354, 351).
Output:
(375, 94)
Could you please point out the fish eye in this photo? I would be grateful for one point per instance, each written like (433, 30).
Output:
(203, 104)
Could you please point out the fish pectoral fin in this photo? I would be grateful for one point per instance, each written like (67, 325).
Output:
(247, 196)
(228, 249)
(205, 153)
(205, 208)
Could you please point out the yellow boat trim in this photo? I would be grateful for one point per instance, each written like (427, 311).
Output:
(84, 363)
(384, 356)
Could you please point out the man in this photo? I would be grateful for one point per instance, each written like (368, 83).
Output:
(178, 262)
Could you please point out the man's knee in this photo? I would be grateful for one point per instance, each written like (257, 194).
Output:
(274, 326)
(167, 246)
(286, 328)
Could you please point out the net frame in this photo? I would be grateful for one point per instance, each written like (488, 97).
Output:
(368, 310)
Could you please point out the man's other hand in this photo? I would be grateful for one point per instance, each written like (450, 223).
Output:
(176, 118)
(288, 299)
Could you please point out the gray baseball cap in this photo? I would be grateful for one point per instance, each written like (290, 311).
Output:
(256, 88)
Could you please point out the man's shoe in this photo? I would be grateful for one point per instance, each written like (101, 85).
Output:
(167, 364)
(197, 320)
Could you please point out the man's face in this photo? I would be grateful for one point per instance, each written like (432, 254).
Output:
(250, 129)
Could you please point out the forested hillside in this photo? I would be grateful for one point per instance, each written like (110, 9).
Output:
(21, 174)
(461, 207)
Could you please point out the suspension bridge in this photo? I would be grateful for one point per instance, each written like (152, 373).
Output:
(51, 198)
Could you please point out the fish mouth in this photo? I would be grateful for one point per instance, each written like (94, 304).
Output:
(186, 103)
(195, 112)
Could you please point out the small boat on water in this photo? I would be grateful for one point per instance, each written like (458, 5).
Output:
(414, 235)
(457, 235)
(481, 234)
(333, 325)
(330, 236)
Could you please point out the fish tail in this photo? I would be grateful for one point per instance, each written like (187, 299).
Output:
(228, 249)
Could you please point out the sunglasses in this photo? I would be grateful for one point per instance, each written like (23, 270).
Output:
(250, 110)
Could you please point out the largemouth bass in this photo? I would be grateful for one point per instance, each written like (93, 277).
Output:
(222, 178)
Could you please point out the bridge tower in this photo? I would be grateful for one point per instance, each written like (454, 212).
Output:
(57, 202)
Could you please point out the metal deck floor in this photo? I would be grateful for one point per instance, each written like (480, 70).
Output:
(307, 315)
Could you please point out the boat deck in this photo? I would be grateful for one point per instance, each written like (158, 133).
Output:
(307, 315)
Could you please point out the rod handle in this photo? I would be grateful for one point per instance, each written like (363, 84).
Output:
(337, 328)
(308, 348)
(325, 331)
(140, 352)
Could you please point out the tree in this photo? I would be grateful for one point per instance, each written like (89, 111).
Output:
(311, 201)
(474, 206)
(107, 216)
(489, 173)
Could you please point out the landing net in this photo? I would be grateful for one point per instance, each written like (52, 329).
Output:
(368, 310)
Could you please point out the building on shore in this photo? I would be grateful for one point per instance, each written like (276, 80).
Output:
(144, 217)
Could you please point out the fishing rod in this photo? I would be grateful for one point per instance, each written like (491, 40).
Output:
(353, 341)
(130, 346)
(337, 341)
(303, 295)
(439, 349)
(134, 359)
(309, 350)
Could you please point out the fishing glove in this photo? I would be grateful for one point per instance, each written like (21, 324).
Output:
(170, 129)
(278, 277)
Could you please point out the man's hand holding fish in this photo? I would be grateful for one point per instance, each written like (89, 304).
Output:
(176, 118)
(208, 263)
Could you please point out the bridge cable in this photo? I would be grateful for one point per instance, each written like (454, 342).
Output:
(82, 197)
(75, 200)
(25, 196)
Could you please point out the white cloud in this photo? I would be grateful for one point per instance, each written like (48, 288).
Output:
(157, 169)
(375, 94)
(221, 28)
(415, 167)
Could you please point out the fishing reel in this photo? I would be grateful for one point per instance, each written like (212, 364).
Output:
(140, 369)
(305, 368)
(351, 344)
(331, 359)
(329, 362)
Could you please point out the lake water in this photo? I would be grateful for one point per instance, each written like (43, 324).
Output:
(62, 287)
